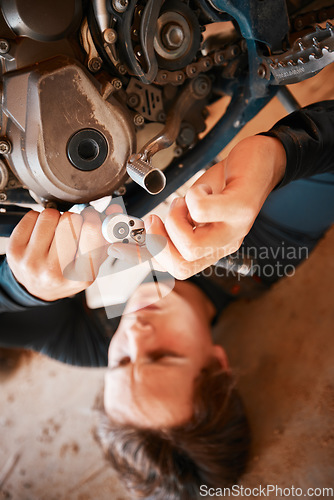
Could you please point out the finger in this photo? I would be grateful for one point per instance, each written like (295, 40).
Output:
(169, 258)
(43, 232)
(135, 254)
(214, 177)
(92, 248)
(20, 237)
(131, 253)
(65, 243)
(194, 243)
(232, 206)
(182, 231)
(114, 209)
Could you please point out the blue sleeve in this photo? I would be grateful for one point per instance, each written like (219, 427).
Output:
(13, 297)
(308, 139)
(65, 330)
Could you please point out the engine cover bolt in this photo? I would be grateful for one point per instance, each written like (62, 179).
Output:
(120, 5)
(138, 120)
(121, 69)
(178, 151)
(117, 84)
(4, 46)
(3, 197)
(161, 116)
(94, 64)
(110, 36)
(120, 191)
(133, 100)
(187, 136)
(5, 147)
(50, 204)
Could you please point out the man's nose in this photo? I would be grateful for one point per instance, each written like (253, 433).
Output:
(140, 337)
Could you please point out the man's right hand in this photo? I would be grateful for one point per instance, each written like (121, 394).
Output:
(54, 256)
(218, 211)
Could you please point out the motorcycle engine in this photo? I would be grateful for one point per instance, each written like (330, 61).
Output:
(85, 84)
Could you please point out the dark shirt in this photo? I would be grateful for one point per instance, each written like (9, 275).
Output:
(69, 332)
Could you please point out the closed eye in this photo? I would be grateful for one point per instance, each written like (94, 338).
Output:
(152, 356)
(156, 355)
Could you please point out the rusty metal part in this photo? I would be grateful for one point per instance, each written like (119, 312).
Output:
(195, 90)
(42, 21)
(63, 90)
(139, 166)
(302, 21)
(94, 61)
(173, 36)
(145, 99)
(307, 57)
(202, 65)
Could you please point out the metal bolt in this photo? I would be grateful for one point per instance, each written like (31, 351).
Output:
(121, 69)
(5, 147)
(117, 84)
(120, 191)
(161, 116)
(50, 204)
(110, 36)
(262, 71)
(201, 86)
(133, 100)
(138, 120)
(94, 64)
(172, 36)
(163, 76)
(4, 46)
(3, 197)
(186, 136)
(178, 151)
(120, 5)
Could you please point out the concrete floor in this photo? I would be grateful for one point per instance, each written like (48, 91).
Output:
(281, 345)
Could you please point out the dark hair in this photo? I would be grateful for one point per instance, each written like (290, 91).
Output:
(210, 449)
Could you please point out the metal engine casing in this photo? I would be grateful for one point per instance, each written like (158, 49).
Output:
(59, 99)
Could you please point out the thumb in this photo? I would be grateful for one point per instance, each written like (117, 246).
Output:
(198, 202)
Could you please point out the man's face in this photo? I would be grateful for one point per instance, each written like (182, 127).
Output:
(155, 355)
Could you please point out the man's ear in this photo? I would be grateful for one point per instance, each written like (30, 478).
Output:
(221, 355)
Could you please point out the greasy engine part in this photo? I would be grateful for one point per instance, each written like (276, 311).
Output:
(68, 143)
(140, 167)
(40, 20)
(84, 81)
(178, 36)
